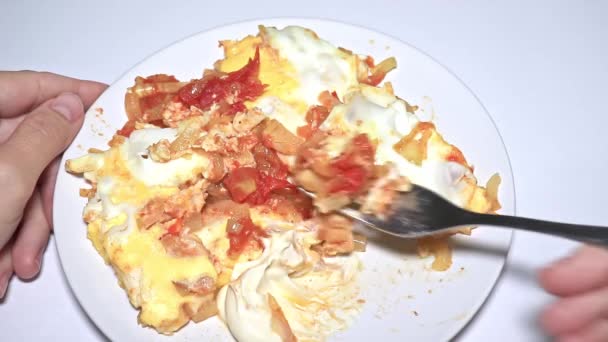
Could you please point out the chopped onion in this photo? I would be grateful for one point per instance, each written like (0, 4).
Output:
(160, 151)
(310, 181)
(334, 235)
(322, 166)
(332, 203)
(153, 212)
(216, 170)
(194, 222)
(246, 121)
(132, 106)
(379, 71)
(200, 286)
(169, 87)
(279, 323)
(241, 183)
(186, 139)
(492, 192)
(439, 248)
(336, 221)
(360, 242)
(413, 146)
(202, 310)
(182, 246)
(279, 138)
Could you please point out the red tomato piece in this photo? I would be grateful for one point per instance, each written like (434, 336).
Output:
(247, 184)
(229, 91)
(241, 183)
(242, 233)
(354, 166)
(265, 186)
(316, 115)
(176, 227)
(127, 129)
(456, 156)
(268, 162)
(349, 181)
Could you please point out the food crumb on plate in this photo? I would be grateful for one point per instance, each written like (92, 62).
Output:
(461, 316)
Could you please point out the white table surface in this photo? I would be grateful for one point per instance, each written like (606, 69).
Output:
(540, 69)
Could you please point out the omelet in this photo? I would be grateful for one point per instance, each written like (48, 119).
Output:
(194, 204)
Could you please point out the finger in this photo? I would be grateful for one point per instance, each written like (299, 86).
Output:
(6, 269)
(41, 137)
(584, 271)
(32, 239)
(570, 314)
(7, 127)
(47, 188)
(22, 91)
(595, 332)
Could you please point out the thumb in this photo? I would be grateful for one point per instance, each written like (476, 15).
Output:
(43, 135)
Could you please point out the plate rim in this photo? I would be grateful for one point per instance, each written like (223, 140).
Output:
(452, 333)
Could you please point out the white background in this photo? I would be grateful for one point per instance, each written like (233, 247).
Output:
(540, 69)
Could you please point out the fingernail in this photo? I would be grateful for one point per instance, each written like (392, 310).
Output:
(69, 105)
(3, 284)
(38, 259)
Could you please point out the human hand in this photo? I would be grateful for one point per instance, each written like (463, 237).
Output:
(40, 114)
(581, 282)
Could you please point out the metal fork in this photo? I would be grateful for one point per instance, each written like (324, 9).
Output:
(421, 212)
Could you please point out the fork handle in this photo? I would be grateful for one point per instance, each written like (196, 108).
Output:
(589, 234)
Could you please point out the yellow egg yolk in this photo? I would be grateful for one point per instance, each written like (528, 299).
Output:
(276, 73)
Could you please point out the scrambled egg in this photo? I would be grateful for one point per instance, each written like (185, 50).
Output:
(125, 181)
(296, 66)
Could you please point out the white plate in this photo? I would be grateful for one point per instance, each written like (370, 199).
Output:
(404, 301)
